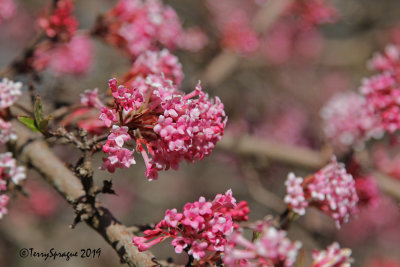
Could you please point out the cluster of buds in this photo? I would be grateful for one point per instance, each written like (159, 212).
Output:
(60, 24)
(382, 90)
(202, 227)
(9, 172)
(349, 122)
(331, 190)
(172, 126)
(271, 248)
(6, 132)
(333, 256)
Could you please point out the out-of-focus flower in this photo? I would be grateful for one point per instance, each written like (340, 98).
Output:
(6, 132)
(333, 256)
(331, 190)
(194, 39)
(3, 203)
(73, 58)
(60, 24)
(313, 12)
(172, 126)
(201, 228)
(7, 10)
(348, 121)
(90, 98)
(9, 92)
(156, 63)
(139, 26)
(272, 248)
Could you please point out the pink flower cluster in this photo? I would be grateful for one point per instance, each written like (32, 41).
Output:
(90, 98)
(314, 12)
(233, 19)
(331, 189)
(139, 26)
(3, 203)
(271, 249)
(6, 132)
(60, 24)
(7, 9)
(202, 227)
(9, 171)
(348, 121)
(382, 91)
(172, 126)
(333, 256)
(156, 63)
(74, 57)
(9, 92)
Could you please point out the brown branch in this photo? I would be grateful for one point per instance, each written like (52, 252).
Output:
(298, 156)
(227, 61)
(37, 154)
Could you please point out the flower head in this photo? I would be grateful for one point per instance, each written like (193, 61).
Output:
(9, 92)
(332, 190)
(201, 228)
(333, 256)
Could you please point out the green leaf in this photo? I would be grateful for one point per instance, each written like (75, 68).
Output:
(29, 122)
(43, 125)
(38, 110)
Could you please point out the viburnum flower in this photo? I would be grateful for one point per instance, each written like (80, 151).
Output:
(74, 57)
(201, 229)
(138, 26)
(9, 169)
(314, 12)
(60, 24)
(349, 122)
(3, 203)
(7, 9)
(194, 39)
(331, 190)
(271, 249)
(9, 92)
(90, 98)
(333, 256)
(6, 132)
(170, 125)
(382, 91)
(156, 63)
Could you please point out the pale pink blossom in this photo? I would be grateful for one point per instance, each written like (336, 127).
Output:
(194, 39)
(6, 132)
(349, 122)
(10, 91)
(295, 194)
(3, 203)
(156, 63)
(90, 98)
(202, 228)
(7, 10)
(9, 169)
(272, 248)
(333, 256)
